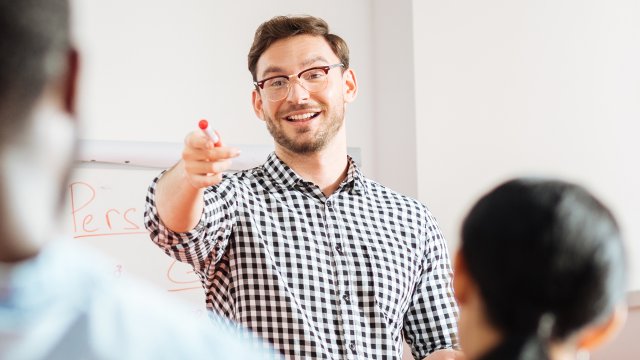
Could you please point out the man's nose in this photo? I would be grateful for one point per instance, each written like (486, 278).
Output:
(297, 92)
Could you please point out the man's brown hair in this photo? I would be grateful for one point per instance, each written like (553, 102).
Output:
(282, 27)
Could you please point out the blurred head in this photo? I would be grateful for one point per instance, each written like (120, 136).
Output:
(37, 133)
(303, 119)
(543, 260)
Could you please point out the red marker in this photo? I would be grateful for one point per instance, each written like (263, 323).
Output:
(204, 125)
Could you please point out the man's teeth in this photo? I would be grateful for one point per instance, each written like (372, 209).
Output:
(300, 116)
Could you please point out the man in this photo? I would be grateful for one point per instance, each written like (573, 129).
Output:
(55, 301)
(304, 250)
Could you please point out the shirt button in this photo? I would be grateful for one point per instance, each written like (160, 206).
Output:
(329, 204)
(352, 346)
(346, 298)
(339, 249)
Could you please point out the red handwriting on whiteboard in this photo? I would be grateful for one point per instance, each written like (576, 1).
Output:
(118, 271)
(173, 274)
(92, 221)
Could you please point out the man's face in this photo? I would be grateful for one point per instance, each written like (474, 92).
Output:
(303, 122)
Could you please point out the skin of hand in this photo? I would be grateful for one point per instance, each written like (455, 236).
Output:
(203, 161)
(179, 194)
(446, 354)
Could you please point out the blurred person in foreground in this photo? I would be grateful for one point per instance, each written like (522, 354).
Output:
(56, 302)
(540, 274)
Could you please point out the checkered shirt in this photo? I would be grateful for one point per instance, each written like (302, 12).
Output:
(347, 276)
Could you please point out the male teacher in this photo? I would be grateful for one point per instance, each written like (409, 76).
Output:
(304, 250)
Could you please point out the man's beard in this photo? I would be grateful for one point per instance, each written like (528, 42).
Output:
(320, 139)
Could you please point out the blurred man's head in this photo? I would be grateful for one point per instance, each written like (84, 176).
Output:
(37, 133)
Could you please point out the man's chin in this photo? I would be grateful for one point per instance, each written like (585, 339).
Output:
(303, 148)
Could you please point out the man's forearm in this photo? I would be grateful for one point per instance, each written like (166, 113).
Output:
(179, 204)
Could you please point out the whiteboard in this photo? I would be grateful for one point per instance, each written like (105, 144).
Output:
(105, 209)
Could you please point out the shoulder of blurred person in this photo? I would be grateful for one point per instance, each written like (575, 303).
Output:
(67, 303)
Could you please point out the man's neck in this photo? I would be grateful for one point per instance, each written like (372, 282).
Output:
(326, 168)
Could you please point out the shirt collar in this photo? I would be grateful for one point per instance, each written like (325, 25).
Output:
(355, 180)
(282, 174)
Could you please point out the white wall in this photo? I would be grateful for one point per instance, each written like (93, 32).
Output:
(509, 88)
(394, 102)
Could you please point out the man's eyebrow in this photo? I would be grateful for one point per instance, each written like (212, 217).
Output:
(279, 70)
(313, 60)
(272, 69)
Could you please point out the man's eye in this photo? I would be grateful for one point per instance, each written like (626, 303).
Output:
(276, 83)
(314, 75)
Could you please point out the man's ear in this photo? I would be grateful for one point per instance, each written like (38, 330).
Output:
(598, 334)
(461, 279)
(70, 81)
(350, 85)
(256, 100)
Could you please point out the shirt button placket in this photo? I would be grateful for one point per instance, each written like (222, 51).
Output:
(353, 347)
(346, 298)
(338, 245)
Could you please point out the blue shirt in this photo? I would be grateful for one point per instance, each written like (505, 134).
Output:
(62, 305)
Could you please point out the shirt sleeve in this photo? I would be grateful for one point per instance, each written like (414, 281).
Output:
(430, 323)
(206, 243)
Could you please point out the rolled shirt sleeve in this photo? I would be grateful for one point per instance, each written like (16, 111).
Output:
(205, 244)
(431, 320)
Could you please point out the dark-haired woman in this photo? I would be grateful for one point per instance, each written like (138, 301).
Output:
(540, 273)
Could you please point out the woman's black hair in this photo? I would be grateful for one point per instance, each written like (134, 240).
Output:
(547, 257)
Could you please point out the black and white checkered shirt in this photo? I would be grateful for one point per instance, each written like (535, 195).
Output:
(339, 277)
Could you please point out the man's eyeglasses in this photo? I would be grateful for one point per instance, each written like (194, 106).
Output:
(313, 80)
